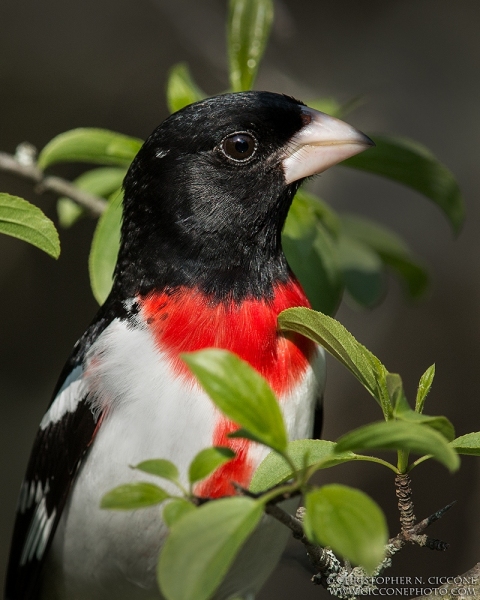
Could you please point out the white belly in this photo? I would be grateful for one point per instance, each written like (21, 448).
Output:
(152, 413)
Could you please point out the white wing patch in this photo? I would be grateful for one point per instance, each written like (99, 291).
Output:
(41, 525)
(39, 532)
(67, 399)
(32, 492)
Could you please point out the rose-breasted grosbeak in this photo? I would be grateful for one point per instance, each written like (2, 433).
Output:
(200, 265)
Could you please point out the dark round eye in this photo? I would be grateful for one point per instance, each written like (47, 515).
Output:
(239, 146)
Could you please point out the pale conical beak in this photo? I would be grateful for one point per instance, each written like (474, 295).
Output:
(322, 142)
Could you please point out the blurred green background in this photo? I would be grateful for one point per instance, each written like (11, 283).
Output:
(416, 62)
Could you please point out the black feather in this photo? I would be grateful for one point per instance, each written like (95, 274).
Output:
(194, 218)
(56, 455)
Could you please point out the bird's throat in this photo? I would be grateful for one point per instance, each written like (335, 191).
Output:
(186, 320)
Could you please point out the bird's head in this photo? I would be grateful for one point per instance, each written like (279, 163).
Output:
(208, 193)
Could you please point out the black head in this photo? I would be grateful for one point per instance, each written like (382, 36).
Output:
(206, 198)
(208, 193)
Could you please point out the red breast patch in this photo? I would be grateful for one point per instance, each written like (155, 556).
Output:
(185, 321)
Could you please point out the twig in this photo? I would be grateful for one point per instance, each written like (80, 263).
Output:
(24, 165)
(410, 530)
(287, 519)
(403, 492)
(337, 578)
(432, 518)
(62, 187)
(322, 559)
(341, 580)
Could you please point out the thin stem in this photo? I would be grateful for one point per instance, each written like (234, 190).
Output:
(379, 461)
(418, 462)
(61, 187)
(402, 463)
(186, 493)
(280, 493)
(316, 467)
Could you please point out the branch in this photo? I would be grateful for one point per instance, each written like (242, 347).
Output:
(334, 576)
(322, 559)
(411, 531)
(459, 588)
(24, 165)
(343, 581)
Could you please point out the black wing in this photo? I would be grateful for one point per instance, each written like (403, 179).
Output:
(65, 434)
(318, 419)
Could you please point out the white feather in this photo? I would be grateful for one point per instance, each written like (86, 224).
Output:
(39, 532)
(151, 413)
(67, 399)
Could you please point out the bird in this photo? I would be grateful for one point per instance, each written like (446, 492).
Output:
(200, 265)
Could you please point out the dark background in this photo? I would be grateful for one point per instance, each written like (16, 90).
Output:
(104, 63)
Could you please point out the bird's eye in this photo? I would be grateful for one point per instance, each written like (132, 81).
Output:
(239, 146)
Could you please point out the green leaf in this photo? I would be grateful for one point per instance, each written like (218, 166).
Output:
(330, 106)
(329, 278)
(243, 434)
(249, 23)
(181, 89)
(467, 444)
(403, 412)
(90, 145)
(175, 510)
(159, 467)
(240, 393)
(400, 435)
(316, 209)
(344, 347)
(207, 461)
(311, 253)
(334, 108)
(362, 270)
(396, 392)
(391, 249)
(439, 423)
(104, 249)
(102, 181)
(412, 164)
(424, 387)
(303, 453)
(68, 212)
(349, 522)
(27, 222)
(414, 275)
(202, 546)
(99, 182)
(131, 496)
